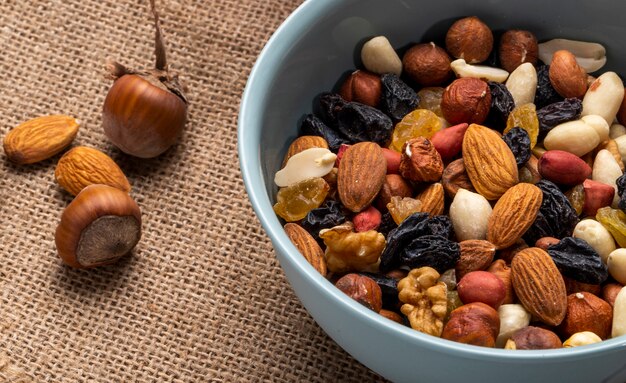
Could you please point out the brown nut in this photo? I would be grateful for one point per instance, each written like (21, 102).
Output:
(502, 271)
(303, 143)
(362, 289)
(481, 286)
(469, 39)
(455, 177)
(597, 195)
(567, 77)
(529, 173)
(467, 100)
(393, 186)
(610, 291)
(362, 86)
(572, 286)
(474, 323)
(476, 254)
(432, 199)
(101, 225)
(545, 242)
(420, 161)
(427, 64)
(307, 245)
(391, 315)
(517, 47)
(533, 338)
(586, 312)
(507, 254)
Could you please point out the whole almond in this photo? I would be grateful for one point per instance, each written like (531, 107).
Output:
(361, 175)
(40, 138)
(567, 77)
(83, 166)
(489, 162)
(476, 254)
(303, 143)
(513, 214)
(432, 199)
(307, 246)
(539, 285)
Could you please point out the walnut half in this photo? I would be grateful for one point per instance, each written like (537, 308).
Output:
(425, 301)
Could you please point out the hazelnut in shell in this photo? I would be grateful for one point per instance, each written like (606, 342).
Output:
(466, 100)
(427, 64)
(98, 227)
(517, 47)
(469, 39)
(362, 86)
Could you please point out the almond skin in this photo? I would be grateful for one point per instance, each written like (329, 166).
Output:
(40, 138)
(539, 285)
(489, 162)
(432, 199)
(513, 214)
(567, 77)
(307, 246)
(361, 174)
(83, 166)
(303, 143)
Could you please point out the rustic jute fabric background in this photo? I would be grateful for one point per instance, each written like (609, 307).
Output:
(202, 298)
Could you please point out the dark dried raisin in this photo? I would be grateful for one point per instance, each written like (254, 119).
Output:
(440, 225)
(502, 103)
(397, 98)
(313, 126)
(328, 105)
(577, 260)
(359, 122)
(621, 186)
(330, 214)
(557, 113)
(556, 217)
(518, 141)
(545, 93)
(386, 224)
(431, 250)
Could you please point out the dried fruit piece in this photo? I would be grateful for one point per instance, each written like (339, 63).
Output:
(294, 202)
(360, 122)
(431, 250)
(539, 285)
(489, 162)
(615, 222)
(361, 175)
(513, 214)
(401, 208)
(313, 126)
(577, 260)
(418, 123)
(557, 113)
(40, 138)
(430, 98)
(525, 117)
(350, 251)
(398, 99)
(307, 246)
(425, 300)
(501, 103)
(324, 217)
(518, 141)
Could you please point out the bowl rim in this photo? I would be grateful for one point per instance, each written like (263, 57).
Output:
(248, 147)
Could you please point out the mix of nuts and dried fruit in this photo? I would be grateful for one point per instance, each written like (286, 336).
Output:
(483, 204)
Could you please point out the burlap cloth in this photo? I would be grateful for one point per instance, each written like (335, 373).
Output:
(203, 297)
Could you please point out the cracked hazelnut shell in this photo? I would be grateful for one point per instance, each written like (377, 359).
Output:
(469, 39)
(101, 225)
(427, 64)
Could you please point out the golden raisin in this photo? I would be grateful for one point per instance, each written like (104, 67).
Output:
(420, 122)
(615, 222)
(576, 197)
(525, 117)
(430, 98)
(295, 201)
(400, 208)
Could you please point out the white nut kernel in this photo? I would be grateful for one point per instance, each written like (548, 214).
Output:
(599, 124)
(581, 339)
(469, 213)
(619, 314)
(621, 146)
(590, 56)
(522, 84)
(463, 69)
(379, 57)
(576, 137)
(616, 130)
(617, 265)
(597, 236)
(512, 318)
(309, 163)
(607, 170)
(604, 97)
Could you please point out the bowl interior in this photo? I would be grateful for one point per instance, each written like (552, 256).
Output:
(310, 52)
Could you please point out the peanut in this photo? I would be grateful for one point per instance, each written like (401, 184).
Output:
(604, 97)
(522, 84)
(597, 236)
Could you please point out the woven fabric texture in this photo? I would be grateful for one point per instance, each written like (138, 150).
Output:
(202, 298)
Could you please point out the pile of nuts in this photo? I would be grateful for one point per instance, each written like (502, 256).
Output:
(475, 192)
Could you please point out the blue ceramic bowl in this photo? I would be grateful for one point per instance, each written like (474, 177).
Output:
(305, 57)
